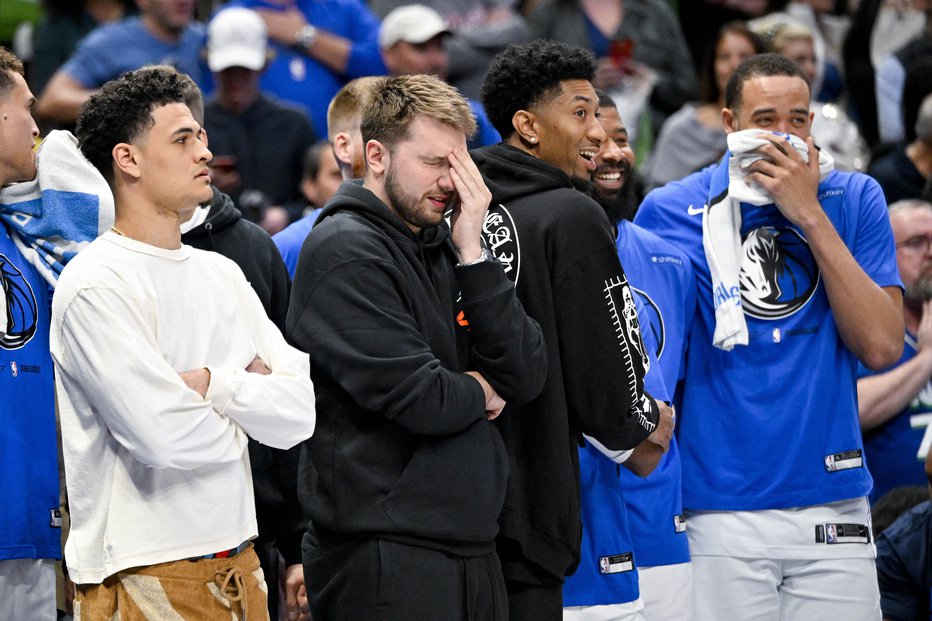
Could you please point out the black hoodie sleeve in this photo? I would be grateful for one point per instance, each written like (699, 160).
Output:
(601, 351)
(355, 322)
(507, 347)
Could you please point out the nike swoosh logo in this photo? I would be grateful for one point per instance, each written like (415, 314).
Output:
(693, 211)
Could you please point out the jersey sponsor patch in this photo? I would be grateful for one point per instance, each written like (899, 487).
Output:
(842, 533)
(616, 564)
(846, 460)
(679, 523)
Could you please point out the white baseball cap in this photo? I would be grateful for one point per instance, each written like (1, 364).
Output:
(414, 23)
(236, 37)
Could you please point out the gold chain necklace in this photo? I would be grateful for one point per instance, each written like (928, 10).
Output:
(117, 231)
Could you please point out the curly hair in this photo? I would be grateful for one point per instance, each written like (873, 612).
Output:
(9, 63)
(395, 102)
(526, 76)
(121, 111)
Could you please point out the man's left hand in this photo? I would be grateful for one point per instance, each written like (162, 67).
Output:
(197, 380)
(296, 593)
(471, 207)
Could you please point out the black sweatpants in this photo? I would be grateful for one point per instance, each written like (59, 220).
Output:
(528, 602)
(381, 580)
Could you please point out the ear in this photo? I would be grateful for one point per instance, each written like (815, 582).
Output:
(526, 128)
(729, 120)
(125, 160)
(377, 157)
(343, 148)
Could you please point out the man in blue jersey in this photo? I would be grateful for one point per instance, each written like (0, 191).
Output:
(662, 280)
(30, 521)
(888, 401)
(797, 282)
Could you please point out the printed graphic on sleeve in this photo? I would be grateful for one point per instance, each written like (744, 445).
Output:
(21, 308)
(501, 237)
(778, 275)
(625, 318)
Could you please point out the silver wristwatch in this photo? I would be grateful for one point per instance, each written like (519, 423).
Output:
(305, 37)
(483, 257)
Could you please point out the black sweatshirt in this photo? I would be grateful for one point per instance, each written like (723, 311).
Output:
(557, 247)
(402, 448)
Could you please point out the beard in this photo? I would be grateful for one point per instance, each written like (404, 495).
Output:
(408, 207)
(919, 292)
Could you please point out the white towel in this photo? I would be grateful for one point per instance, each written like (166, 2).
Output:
(721, 227)
(59, 212)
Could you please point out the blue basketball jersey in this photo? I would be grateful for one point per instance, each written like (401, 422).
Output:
(891, 449)
(30, 522)
(773, 424)
(661, 277)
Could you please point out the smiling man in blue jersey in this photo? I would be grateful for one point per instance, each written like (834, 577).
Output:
(797, 282)
(665, 288)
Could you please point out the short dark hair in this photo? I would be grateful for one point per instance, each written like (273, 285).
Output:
(760, 66)
(889, 507)
(312, 158)
(9, 64)
(526, 76)
(605, 100)
(708, 87)
(121, 111)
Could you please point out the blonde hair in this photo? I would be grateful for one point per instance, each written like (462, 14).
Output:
(397, 101)
(346, 106)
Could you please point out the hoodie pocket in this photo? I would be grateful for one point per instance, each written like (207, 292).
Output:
(453, 487)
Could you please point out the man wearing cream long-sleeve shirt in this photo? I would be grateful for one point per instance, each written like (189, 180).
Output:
(165, 362)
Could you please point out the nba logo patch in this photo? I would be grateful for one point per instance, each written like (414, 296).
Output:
(616, 564)
(14, 368)
(846, 460)
(831, 534)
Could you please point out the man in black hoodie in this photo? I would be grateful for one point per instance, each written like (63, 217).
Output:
(557, 247)
(416, 341)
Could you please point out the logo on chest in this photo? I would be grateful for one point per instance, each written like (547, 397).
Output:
(778, 274)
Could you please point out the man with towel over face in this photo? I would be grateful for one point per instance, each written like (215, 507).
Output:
(797, 282)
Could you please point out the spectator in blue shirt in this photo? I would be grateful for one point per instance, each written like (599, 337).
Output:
(164, 33)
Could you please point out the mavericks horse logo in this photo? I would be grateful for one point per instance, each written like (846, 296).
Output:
(778, 273)
(657, 327)
(22, 312)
